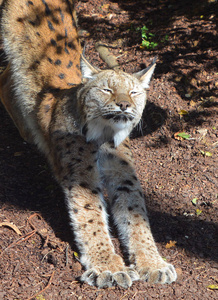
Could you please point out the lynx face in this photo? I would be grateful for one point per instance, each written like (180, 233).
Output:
(113, 101)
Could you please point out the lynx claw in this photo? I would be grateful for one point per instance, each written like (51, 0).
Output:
(133, 274)
(106, 279)
(166, 274)
(122, 279)
(89, 276)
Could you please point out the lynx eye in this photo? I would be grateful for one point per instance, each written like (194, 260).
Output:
(133, 93)
(108, 91)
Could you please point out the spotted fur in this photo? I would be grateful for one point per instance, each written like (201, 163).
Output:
(80, 118)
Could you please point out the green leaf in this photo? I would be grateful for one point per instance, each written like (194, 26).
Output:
(194, 201)
(184, 135)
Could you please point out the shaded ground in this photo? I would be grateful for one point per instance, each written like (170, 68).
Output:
(173, 171)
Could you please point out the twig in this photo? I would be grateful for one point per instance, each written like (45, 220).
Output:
(45, 288)
(45, 238)
(33, 215)
(26, 236)
(12, 226)
(124, 295)
(20, 240)
(134, 295)
(66, 253)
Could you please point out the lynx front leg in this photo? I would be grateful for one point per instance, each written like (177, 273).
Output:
(130, 216)
(75, 164)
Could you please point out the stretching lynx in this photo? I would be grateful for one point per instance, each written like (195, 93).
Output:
(80, 118)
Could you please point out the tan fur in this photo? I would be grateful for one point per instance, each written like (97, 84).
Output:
(80, 118)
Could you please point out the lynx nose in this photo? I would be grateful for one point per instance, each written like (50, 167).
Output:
(123, 105)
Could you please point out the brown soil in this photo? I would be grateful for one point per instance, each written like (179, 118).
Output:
(42, 262)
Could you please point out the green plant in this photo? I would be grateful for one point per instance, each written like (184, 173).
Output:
(147, 38)
(165, 38)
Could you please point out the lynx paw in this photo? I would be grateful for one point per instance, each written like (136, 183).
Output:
(165, 274)
(107, 279)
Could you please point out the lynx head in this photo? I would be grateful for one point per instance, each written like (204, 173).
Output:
(113, 102)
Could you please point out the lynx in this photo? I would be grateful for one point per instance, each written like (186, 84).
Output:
(80, 117)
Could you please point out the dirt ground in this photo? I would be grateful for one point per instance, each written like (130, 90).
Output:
(38, 258)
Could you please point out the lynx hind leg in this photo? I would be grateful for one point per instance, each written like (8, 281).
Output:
(75, 164)
(9, 100)
(130, 216)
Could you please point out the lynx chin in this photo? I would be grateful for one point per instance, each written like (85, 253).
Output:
(80, 117)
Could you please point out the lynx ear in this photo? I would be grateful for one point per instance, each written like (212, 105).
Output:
(87, 69)
(144, 76)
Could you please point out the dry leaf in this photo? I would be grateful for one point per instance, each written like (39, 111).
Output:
(183, 112)
(171, 244)
(40, 297)
(12, 226)
(76, 255)
(212, 287)
(18, 153)
(105, 6)
(198, 212)
(206, 153)
(178, 78)
(192, 103)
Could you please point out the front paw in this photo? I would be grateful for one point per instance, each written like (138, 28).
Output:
(107, 279)
(163, 273)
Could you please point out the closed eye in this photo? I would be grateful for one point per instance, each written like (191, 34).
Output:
(108, 91)
(134, 93)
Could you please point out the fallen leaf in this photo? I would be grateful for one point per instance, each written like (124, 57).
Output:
(212, 287)
(18, 153)
(183, 112)
(194, 201)
(110, 16)
(192, 103)
(40, 297)
(198, 212)
(206, 153)
(178, 78)
(181, 136)
(202, 131)
(12, 226)
(171, 244)
(188, 95)
(105, 6)
(76, 255)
